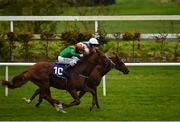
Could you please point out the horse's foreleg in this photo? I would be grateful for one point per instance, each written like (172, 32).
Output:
(55, 103)
(81, 93)
(97, 103)
(45, 93)
(39, 101)
(93, 92)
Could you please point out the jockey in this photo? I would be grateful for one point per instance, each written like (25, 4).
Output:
(89, 44)
(71, 54)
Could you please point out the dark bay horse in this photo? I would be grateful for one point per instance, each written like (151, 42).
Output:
(39, 74)
(95, 77)
(100, 70)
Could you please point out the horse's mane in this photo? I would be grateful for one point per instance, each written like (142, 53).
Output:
(85, 57)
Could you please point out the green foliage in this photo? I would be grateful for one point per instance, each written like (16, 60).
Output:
(90, 2)
(127, 36)
(3, 49)
(72, 37)
(24, 38)
(150, 51)
(144, 51)
(137, 36)
(12, 37)
(46, 36)
(101, 37)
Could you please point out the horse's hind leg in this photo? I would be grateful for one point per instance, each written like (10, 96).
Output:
(76, 99)
(33, 96)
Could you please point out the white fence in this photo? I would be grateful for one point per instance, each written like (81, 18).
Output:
(87, 18)
(104, 81)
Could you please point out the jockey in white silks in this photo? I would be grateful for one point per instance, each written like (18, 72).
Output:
(88, 44)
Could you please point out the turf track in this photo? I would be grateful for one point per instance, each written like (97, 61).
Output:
(147, 93)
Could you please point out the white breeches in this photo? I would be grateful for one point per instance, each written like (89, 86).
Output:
(72, 61)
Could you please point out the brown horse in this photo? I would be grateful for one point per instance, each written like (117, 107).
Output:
(95, 77)
(39, 74)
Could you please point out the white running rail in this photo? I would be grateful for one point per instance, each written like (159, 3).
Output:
(88, 18)
(7, 65)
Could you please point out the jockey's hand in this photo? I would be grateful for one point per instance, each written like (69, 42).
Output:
(72, 63)
(81, 55)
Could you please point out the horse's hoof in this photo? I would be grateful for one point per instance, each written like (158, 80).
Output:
(26, 100)
(59, 108)
(62, 111)
(37, 105)
(90, 108)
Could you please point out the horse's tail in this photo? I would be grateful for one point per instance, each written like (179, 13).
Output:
(17, 81)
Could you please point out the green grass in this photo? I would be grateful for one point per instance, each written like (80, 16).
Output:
(147, 93)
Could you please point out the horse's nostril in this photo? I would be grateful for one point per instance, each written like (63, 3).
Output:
(126, 72)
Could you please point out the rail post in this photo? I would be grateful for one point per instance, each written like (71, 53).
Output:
(96, 26)
(6, 77)
(104, 85)
(11, 26)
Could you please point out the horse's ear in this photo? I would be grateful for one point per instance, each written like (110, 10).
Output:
(113, 52)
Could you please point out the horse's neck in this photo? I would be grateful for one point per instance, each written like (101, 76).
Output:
(85, 67)
(105, 69)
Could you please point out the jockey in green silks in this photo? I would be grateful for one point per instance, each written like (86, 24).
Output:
(71, 54)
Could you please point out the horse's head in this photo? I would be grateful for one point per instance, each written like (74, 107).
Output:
(119, 64)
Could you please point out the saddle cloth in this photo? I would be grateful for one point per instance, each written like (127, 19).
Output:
(59, 70)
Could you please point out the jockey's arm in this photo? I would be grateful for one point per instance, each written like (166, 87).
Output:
(74, 54)
(68, 52)
(86, 50)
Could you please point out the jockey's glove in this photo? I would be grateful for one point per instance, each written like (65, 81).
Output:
(73, 62)
(81, 55)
